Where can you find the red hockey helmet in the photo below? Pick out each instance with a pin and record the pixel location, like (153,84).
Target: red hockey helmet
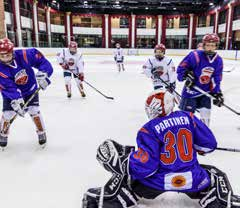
(159,103)
(211,38)
(160,47)
(72,44)
(73,47)
(6,46)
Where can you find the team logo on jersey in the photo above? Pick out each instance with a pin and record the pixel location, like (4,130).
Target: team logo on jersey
(160,70)
(21,77)
(178,181)
(71,62)
(206,75)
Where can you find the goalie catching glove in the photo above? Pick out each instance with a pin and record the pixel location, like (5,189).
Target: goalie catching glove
(114,157)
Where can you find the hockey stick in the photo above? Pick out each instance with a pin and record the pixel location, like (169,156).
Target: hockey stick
(108,97)
(25,105)
(210,96)
(228,149)
(230,70)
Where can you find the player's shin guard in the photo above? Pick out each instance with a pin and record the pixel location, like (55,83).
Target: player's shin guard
(80,87)
(4,126)
(205,114)
(68,86)
(220,193)
(38,121)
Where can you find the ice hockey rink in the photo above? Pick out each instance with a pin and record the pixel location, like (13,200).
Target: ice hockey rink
(57,176)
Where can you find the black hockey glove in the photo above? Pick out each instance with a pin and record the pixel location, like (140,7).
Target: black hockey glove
(218,99)
(189,77)
(114,157)
(171,87)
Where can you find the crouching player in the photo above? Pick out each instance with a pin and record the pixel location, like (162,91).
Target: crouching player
(166,160)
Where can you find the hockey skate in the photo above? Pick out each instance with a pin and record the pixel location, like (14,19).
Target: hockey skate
(42,139)
(82,93)
(69,94)
(3,141)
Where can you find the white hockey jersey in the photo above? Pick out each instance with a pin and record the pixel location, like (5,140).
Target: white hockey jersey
(118,54)
(75,62)
(166,68)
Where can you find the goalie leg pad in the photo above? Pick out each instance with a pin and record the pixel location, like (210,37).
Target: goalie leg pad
(220,193)
(115,194)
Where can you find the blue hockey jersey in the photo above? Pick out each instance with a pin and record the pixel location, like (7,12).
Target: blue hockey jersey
(207,72)
(166,158)
(18,79)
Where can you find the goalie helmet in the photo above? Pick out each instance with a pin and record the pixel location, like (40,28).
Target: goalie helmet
(159,103)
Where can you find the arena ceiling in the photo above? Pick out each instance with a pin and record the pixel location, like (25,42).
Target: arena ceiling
(147,7)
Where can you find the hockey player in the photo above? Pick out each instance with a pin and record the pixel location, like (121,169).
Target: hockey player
(202,68)
(118,57)
(70,59)
(166,160)
(18,82)
(159,67)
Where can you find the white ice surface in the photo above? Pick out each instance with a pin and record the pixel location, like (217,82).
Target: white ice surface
(57,176)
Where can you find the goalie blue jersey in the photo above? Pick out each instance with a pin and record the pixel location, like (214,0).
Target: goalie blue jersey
(18,79)
(207,72)
(166,158)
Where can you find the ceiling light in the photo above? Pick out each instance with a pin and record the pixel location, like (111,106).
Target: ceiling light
(174,8)
(85,2)
(146,8)
(117,2)
(211,4)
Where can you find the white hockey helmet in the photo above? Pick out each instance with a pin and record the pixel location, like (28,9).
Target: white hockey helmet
(159,103)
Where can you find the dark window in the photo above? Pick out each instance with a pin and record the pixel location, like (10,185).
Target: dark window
(236,40)
(58,40)
(202,21)
(8,6)
(79,21)
(27,38)
(184,22)
(236,13)
(122,39)
(124,22)
(146,41)
(86,41)
(141,22)
(222,37)
(26,9)
(212,20)
(222,17)
(177,41)
(170,23)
